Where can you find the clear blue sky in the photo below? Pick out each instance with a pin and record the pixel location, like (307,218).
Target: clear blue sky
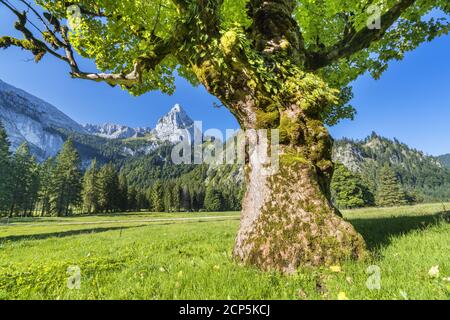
(411,102)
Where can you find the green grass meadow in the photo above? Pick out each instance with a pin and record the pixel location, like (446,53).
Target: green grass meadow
(129,256)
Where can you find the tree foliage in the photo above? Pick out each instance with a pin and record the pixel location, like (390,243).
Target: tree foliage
(213,200)
(390,192)
(91,189)
(24,183)
(157,197)
(348,189)
(67,179)
(141,45)
(5,170)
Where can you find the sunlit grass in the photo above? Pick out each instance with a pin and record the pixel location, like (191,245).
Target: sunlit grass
(192,260)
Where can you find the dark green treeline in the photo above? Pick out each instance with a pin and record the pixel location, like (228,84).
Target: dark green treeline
(59,187)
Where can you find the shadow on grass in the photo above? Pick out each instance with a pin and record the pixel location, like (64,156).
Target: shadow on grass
(378,231)
(62,234)
(6,220)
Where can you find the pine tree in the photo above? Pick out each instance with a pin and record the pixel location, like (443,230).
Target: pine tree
(390,192)
(348,190)
(91,189)
(67,179)
(5,172)
(213,200)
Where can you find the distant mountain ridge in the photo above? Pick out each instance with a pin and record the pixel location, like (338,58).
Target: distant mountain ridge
(415,170)
(357,154)
(422,176)
(169,128)
(28,118)
(116,131)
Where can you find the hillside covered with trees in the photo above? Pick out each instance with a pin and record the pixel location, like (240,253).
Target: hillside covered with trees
(372,172)
(61,186)
(422,177)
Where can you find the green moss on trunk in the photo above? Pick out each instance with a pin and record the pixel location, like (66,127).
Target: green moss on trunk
(297,225)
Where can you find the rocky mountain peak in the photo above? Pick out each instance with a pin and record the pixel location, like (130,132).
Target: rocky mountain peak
(170,128)
(176,118)
(174,125)
(349,154)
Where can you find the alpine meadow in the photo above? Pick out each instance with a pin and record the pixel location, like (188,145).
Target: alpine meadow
(119,212)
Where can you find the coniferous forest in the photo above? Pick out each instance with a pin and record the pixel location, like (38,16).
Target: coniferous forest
(60,187)
(63,186)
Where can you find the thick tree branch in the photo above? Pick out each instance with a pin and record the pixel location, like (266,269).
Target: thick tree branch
(30,43)
(355,41)
(274,28)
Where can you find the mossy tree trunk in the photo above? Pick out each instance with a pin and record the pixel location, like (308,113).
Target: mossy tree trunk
(288,219)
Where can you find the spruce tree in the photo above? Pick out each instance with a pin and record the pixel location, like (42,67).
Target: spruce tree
(141,201)
(5,171)
(390,192)
(157,196)
(148,196)
(176,197)
(167,196)
(91,189)
(348,190)
(67,179)
(109,189)
(213,200)
(47,186)
(132,199)
(123,192)
(186,198)
(32,196)
(24,179)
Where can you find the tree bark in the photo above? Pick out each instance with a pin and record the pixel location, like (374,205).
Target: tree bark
(288,219)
